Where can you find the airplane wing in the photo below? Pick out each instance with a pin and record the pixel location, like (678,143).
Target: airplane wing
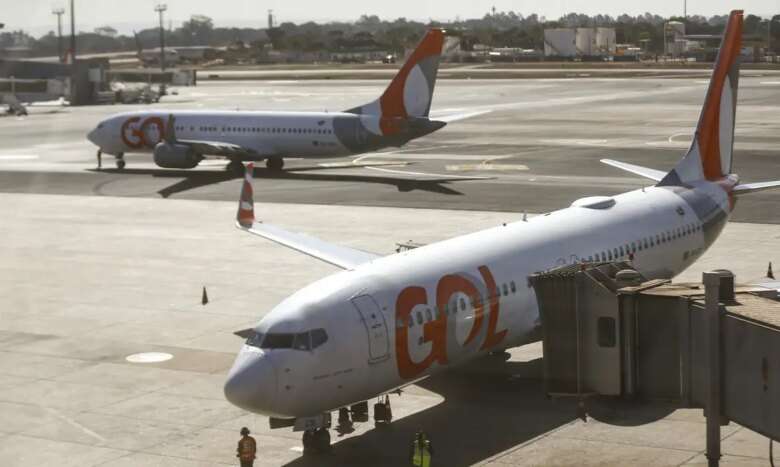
(337,255)
(460,116)
(209,148)
(217,148)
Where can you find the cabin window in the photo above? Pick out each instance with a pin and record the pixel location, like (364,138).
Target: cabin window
(462,304)
(513,287)
(428,315)
(419,318)
(506,290)
(621,251)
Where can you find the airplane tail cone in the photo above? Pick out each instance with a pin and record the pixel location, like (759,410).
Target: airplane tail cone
(205,298)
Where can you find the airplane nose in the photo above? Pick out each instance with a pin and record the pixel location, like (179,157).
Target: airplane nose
(94,136)
(251,383)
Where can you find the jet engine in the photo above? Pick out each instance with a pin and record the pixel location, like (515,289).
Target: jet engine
(175,156)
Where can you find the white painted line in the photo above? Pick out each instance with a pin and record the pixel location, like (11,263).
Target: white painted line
(425,174)
(75,424)
(577,142)
(18,157)
(450,157)
(496,167)
(296,449)
(770,82)
(149,357)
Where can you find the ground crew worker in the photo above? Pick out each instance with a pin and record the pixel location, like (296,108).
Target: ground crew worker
(247,448)
(100,159)
(422,450)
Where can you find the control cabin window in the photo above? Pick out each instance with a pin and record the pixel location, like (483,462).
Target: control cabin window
(308,340)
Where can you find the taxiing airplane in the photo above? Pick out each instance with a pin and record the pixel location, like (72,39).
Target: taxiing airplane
(385,322)
(400,115)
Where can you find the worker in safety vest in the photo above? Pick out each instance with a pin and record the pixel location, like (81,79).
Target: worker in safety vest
(422,450)
(247,448)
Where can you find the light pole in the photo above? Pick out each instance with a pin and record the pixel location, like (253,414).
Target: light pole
(160,9)
(72,31)
(59,12)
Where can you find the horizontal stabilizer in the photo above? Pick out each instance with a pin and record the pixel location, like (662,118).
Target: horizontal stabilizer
(646,172)
(744,188)
(461,116)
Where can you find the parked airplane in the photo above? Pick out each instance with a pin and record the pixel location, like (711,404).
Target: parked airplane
(400,115)
(388,321)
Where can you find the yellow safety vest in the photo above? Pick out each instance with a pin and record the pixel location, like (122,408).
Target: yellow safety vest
(422,455)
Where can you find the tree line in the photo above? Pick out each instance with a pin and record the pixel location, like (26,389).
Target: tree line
(496,29)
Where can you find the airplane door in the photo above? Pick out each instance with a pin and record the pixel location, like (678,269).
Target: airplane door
(376,328)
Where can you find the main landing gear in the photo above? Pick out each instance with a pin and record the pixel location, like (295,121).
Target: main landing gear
(383,413)
(236,167)
(274,163)
(120,161)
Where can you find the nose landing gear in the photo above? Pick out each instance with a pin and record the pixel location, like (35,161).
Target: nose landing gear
(236,167)
(274,163)
(120,161)
(316,441)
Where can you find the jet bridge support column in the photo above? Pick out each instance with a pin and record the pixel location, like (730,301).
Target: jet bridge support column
(713,282)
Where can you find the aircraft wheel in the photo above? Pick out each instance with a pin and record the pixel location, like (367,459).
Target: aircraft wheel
(236,167)
(322,440)
(120,164)
(274,163)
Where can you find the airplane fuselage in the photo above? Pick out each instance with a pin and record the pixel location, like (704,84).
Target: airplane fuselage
(268,134)
(403,317)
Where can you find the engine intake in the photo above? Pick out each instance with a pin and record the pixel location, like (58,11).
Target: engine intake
(175,156)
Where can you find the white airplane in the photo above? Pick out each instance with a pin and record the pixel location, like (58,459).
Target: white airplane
(181,139)
(385,322)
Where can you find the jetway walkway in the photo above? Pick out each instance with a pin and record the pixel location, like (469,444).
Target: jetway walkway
(607,331)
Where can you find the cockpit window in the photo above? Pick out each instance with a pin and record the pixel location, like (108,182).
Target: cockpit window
(318,337)
(255,339)
(278,341)
(301,341)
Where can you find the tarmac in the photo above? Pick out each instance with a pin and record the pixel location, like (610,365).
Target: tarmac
(99,266)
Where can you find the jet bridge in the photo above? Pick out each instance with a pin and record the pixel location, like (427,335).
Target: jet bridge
(607,331)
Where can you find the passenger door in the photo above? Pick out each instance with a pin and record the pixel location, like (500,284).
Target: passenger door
(376,328)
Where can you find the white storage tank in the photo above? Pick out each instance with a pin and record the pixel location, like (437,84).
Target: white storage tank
(560,42)
(605,41)
(586,42)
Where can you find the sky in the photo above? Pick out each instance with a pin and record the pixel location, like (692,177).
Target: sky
(126,15)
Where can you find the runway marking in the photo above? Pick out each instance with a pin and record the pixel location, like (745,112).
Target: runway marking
(297,449)
(425,174)
(75,424)
(18,157)
(770,82)
(461,157)
(580,142)
(671,138)
(149,357)
(486,166)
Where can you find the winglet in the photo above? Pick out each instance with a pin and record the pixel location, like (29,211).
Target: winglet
(246,205)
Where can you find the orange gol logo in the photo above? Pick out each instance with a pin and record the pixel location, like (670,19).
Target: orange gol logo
(435,331)
(136,136)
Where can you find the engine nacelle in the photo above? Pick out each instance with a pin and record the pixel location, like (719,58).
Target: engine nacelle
(175,156)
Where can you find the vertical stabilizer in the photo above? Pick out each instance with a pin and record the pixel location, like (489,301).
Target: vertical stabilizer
(411,90)
(710,154)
